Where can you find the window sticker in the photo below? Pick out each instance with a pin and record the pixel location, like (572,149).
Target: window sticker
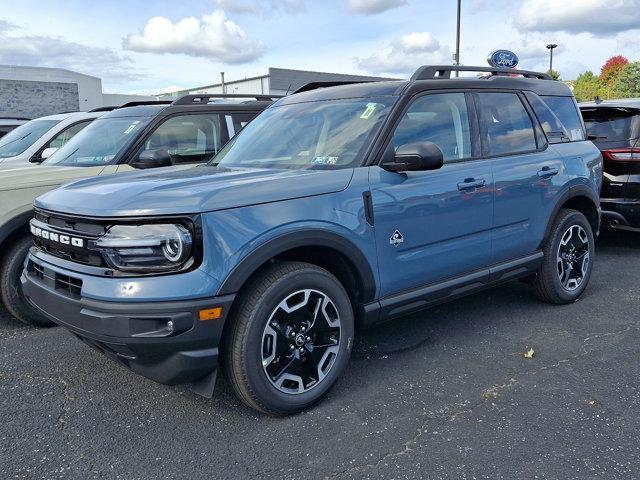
(371,108)
(131,127)
(576,134)
(325,160)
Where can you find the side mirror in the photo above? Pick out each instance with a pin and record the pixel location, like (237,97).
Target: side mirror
(153,159)
(414,157)
(46,153)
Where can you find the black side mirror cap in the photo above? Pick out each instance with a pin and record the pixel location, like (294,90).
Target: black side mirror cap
(153,159)
(414,157)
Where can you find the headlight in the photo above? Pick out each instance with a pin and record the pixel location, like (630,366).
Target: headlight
(145,248)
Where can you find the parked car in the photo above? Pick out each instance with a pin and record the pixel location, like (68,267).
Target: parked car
(336,207)
(9,123)
(38,139)
(138,135)
(614,126)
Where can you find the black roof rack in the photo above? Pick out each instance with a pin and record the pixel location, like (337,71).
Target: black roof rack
(315,85)
(103,109)
(15,118)
(203,99)
(431,72)
(145,102)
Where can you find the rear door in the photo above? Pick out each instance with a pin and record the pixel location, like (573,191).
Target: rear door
(433,225)
(527,174)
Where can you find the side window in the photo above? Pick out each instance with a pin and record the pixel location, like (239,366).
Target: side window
(551,124)
(188,138)
(441,119)
(508,126)
(237,121)
(566,110)
(67,134)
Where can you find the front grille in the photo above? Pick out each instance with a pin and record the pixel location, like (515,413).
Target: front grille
(64,284)
(77,228)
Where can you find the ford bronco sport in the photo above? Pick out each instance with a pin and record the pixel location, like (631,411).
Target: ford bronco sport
(335,207)
(138,135)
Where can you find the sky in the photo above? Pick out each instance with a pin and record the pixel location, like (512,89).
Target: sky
(154,46)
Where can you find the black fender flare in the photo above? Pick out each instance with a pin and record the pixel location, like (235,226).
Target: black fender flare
(14,224)
(305,238)
(572,192)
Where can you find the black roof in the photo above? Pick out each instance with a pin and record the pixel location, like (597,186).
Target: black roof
(438,77)
(633,103)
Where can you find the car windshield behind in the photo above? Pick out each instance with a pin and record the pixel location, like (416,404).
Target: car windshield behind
(99,143)
(17,141)
(315,135)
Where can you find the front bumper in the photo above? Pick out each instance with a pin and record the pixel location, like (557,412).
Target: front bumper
(137,335)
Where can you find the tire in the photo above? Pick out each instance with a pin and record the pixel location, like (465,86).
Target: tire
(10,288)
(257,343)
(554,281)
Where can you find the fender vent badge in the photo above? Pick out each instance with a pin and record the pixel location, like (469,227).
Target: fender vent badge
(396,239)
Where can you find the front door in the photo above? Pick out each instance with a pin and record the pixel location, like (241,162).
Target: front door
(433,225)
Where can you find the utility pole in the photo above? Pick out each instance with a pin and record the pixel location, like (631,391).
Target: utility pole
(224,87)
(551,46)
(457,59)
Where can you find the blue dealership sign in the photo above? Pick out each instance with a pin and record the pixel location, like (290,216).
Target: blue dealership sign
(503,59)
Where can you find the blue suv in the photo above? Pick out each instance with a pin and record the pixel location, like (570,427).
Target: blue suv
(335,208)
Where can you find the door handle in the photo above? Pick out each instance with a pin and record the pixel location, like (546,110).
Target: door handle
(471,184)
(547,172)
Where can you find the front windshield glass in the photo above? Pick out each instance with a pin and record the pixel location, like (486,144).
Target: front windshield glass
(18,140)
(99,143)
(320,135)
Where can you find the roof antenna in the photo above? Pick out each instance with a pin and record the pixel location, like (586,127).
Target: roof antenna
(598,100)
(288,90)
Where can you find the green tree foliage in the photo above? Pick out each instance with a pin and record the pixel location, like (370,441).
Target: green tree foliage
(627,85)
(554,74)
(587,87)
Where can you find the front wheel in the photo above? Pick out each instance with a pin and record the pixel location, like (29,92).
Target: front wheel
(568,259)
(290,338)
(10,288)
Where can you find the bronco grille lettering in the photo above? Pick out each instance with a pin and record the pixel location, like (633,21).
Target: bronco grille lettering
(57,237)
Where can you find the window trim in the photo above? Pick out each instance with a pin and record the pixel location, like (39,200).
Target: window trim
(384,152)
(538,133)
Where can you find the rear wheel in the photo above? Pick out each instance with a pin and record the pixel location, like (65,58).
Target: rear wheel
(10,286)
(568,259)
(290,338)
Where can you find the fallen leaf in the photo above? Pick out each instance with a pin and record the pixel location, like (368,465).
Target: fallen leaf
(591,402)
(529,353)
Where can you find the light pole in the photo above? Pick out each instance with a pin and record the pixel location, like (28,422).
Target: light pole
(458,36)
(551,46)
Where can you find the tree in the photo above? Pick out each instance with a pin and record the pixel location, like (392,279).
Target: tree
(612,69)
(627,84)
(587,87)
(554,74)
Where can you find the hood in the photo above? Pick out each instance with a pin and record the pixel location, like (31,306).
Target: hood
(39,176)
(169,191)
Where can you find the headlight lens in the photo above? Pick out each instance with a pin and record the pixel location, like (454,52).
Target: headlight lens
(146,248)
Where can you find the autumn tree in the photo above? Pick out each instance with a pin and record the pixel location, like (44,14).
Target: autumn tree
(612,69)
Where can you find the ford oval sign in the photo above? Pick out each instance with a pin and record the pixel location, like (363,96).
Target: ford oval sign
(502,59)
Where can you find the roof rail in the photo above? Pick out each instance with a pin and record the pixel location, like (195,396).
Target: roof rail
(315,85)
(103,109)
(15,118)
(203,99)
(145,102)
(431,72)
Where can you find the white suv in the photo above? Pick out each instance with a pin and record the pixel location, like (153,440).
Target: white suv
(36,140)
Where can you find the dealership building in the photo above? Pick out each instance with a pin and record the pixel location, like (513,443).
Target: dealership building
(33,92)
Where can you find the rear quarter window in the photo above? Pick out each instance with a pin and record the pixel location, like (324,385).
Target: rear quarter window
(566,109)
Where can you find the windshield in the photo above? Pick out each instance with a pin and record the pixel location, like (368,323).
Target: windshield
(99,143)
(320,135)
(17,141)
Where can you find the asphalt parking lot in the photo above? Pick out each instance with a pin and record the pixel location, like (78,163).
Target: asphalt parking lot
(443,394)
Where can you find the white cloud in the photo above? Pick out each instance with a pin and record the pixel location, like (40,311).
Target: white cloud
(371,7)
(261,7)
(599,17)
(405,54)
(214,37)
(17,48)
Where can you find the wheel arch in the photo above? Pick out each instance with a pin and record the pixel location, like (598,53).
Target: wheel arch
(328,250)
(16,226)
(582,199)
